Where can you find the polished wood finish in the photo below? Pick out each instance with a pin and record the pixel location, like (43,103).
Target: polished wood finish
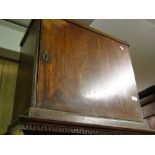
(147,100)
(88,73)
(76,74)
(74,21)
(74,118)
(26,81)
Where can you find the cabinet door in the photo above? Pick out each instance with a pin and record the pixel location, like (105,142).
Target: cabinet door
(86,73)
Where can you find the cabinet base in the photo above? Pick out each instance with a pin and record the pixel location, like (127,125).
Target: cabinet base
(30,125)
(41,121)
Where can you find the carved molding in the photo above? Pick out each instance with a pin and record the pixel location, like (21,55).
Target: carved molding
(33,126)
(69,130)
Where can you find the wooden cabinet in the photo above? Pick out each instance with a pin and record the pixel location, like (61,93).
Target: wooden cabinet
(76,74)
(147,100)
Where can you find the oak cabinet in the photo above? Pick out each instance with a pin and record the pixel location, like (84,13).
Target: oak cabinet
(73,73)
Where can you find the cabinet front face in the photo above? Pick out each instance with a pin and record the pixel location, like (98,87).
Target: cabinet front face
(86,73)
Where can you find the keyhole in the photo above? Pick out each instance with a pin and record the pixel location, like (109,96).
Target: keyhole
(45,56)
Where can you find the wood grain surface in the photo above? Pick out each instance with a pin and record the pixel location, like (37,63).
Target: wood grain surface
(8,76)
(86,73)
(25,88)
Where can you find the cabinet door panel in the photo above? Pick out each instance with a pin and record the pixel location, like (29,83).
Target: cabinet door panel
(86,73)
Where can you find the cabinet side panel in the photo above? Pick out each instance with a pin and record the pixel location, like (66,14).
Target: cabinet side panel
(87,73)
(25,88)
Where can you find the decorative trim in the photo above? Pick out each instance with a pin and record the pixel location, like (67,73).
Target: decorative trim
(75,118)
(31,125)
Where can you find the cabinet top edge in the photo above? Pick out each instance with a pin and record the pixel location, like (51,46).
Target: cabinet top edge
(97,31)
(79,24)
